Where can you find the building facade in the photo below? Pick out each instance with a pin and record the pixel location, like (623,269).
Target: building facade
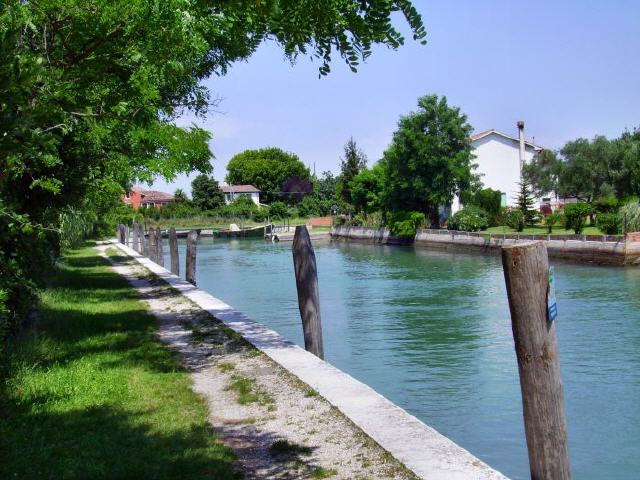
(137,198)
(498,157)
(233,192)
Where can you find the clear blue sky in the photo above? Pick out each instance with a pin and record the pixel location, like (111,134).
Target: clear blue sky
(568,69)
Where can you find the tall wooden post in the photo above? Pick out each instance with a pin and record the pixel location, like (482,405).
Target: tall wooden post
(121,236)
(526,272)
(190,264)
(173,251)
(153,245)
(304,264)
(159,249)
(145,241)
(136,237)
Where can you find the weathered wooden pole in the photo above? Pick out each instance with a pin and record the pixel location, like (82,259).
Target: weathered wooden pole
(127,235)
(304,264)
(153,245)
(145,241)
(173,251)
(159,249)
(121,237)
(136,237)
(526,273)
(190,264)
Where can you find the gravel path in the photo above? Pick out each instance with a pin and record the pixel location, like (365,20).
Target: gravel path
(278,427)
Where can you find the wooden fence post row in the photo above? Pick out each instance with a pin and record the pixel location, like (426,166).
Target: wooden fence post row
(173,251)
(526,273)
(304,264)
(190,264)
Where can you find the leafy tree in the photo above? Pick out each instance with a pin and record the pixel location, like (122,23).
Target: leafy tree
(542,172)
(575,216)
(406,224)
(180,197)
(325,186)
(585,172)
(353,162)
(268,169)
(608,223)
(367,189)
(206,193)
(526,203)
(430,158)
(553,219)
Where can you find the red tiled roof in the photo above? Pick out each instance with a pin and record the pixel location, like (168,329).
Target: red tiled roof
(155,196)
(239,189)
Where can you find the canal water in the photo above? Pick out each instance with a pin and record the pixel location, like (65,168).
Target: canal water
(431,331)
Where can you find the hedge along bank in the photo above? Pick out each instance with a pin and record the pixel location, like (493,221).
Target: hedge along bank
(609,250)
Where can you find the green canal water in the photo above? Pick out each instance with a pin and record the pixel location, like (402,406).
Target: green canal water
(431,331)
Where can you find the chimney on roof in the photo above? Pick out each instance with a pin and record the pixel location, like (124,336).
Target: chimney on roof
(521,138)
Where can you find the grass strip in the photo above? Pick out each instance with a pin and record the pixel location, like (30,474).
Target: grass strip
(90,393)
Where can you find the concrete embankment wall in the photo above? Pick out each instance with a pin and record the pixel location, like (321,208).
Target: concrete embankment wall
(595,249)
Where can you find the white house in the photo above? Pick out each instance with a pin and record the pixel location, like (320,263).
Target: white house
(232,192)
(499,158)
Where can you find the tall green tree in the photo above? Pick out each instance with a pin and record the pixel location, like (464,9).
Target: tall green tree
(367,189)
(206,193)
(542,172)
(526,203)
(429,159)
(268,169)
(351,164)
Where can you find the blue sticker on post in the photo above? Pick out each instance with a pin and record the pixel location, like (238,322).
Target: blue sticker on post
(552,307)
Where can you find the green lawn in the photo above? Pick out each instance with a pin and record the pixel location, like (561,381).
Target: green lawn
(90,394)
(542,230)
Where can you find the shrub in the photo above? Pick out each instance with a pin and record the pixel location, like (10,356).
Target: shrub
(312,205)
(575,216)
(606,205)
(363,219)
(406,224)
(278,210)
(469,219)
(552,220)
(608,223)
(629,218)
(515,219)
(242,207)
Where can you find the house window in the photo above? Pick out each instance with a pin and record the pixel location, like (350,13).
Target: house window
(127,196)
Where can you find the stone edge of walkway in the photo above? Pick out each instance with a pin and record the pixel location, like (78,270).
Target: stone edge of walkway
(424,451)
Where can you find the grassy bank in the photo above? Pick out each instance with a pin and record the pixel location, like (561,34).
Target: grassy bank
(91,394)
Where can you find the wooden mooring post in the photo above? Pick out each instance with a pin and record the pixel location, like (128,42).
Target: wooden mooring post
(304,264)
(190,263)
(153,245)
(145,241)
(121,234)
(526,273)
(173,251)
(136,237)
(159,249)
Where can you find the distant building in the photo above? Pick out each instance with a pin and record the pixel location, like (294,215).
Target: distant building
(138,198)
(232,192)
(498,158)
